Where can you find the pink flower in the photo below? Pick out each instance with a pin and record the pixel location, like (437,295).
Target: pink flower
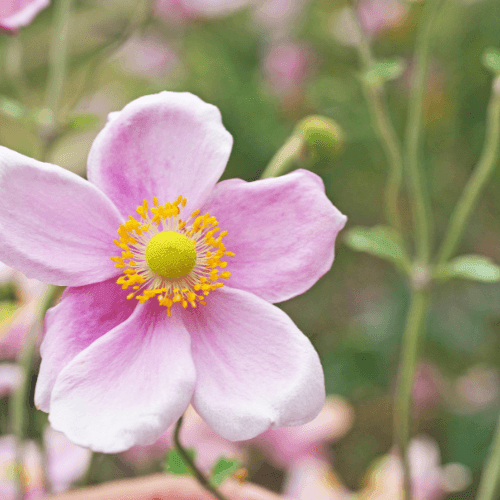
(18,320)
(17,13)
(188,10)
(288,445)
(11,377)
(120,364)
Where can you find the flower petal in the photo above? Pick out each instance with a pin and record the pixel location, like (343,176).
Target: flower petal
(254,366)
(163,145)
(82,316)
(128,386)
(282,231)
(17,13)
(56,227)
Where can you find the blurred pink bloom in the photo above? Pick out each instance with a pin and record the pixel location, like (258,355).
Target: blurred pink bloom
(427,388)
(66,462)
(17,324)
(430,480)
(181,11)
(285,446)
(375,16)
(118,372)
(279,17)
(148,57)
(11,377)
(31,469)
(478,388)
(194,433)
(17,13)
(287,65)
(311,477)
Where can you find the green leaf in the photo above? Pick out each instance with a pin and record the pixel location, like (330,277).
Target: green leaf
(471,267)
(491,60)
(390,69)
(224,468)
(13,109)
(175,464)
(84,122)
(382,241)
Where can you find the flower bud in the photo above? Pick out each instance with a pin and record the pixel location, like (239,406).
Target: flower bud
(324,138)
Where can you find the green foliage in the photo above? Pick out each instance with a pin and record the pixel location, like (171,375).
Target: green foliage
(385,71)
(381,241)
(223,469)
(84,122)
(174,463)
(470,267)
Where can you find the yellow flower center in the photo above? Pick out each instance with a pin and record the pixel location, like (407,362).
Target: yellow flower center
(169,258)
(171,254)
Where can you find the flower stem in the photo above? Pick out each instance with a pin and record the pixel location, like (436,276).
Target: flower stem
(482,172)
(415,323)
(285,158)
(20,396)
(375,97)
(490,478)
(420,202)
(190,463)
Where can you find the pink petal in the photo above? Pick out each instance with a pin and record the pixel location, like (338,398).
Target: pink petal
(128,386)
(163,145)
(255,368)
(56,227)
(83,315)
(66,462)
(17,13)
(11,377)
(282,231)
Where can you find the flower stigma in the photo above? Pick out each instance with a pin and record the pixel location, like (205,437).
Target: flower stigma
(174,260)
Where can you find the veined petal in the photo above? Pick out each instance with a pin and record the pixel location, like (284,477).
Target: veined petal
(281,230)
(255,369)
(56,227)
(162,145)
(82,316)
(128,386)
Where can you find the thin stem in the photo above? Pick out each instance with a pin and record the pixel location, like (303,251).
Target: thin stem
(420,201)
(58,55)
(190,463)
(490,478)
(20,396)
(482,172)
(375,97)
(285,158)
(415,323)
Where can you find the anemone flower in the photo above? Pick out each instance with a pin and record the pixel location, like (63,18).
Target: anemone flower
(147,324)
(17,13)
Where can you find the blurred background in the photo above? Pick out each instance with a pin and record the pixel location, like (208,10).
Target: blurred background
(267,64)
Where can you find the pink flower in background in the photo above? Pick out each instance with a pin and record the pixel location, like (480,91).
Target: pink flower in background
(146,329)
(428,387)
(430,480)
(279,17)
(375,16)
(31,469)
(15,14)
(18,319)
(288,445)
(11,377)
(287,65)
(181,11)
(66,463)
(312,477)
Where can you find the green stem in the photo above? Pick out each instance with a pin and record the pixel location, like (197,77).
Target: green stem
(20,396)
(482,172)
(58,55)
(490,478)
(190,463)
(415,324)
(420,201)
(285,158)
(379,114)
